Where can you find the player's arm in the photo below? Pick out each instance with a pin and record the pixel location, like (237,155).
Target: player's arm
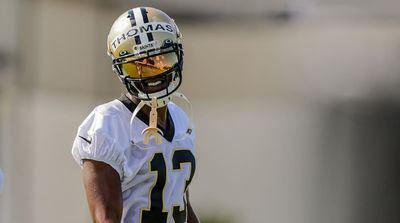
(192,218)
(103,191)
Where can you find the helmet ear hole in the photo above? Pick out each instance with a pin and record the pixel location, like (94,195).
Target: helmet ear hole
(123,53)
(168,43)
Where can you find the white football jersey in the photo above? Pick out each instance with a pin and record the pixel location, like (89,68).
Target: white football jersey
(154,177)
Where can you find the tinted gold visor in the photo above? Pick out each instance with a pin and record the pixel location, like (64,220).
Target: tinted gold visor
(149,66)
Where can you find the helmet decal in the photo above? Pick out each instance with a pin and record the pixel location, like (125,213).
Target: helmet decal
(137,32)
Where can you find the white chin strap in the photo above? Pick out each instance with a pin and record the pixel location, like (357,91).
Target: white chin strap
(155,103)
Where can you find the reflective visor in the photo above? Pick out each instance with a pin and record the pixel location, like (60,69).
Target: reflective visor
(149,66)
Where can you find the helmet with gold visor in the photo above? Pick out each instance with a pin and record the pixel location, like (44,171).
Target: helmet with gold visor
(146,50)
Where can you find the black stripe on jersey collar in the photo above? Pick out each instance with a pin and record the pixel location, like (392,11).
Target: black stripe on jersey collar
(169,132)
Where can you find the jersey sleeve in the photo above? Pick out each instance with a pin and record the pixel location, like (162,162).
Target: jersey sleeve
(94,142)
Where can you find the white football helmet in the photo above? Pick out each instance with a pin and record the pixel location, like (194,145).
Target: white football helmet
(146,50)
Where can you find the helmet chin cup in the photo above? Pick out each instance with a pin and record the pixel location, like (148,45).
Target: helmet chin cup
(159,102)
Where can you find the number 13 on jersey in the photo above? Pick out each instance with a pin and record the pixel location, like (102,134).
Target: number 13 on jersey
(156,212)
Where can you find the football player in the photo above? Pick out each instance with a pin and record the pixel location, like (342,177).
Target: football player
(137,152)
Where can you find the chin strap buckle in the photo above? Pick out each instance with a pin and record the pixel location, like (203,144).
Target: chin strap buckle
(152,130)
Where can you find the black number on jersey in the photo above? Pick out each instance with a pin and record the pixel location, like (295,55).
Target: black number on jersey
(180,157)
(156,212)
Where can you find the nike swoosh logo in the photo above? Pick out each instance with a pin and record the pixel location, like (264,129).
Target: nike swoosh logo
(87,140)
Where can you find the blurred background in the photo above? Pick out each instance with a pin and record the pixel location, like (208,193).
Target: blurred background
(297,106)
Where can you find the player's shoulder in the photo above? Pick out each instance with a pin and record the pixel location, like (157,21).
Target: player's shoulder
(111,108)
(173,108)
(104,116)
(178,114)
